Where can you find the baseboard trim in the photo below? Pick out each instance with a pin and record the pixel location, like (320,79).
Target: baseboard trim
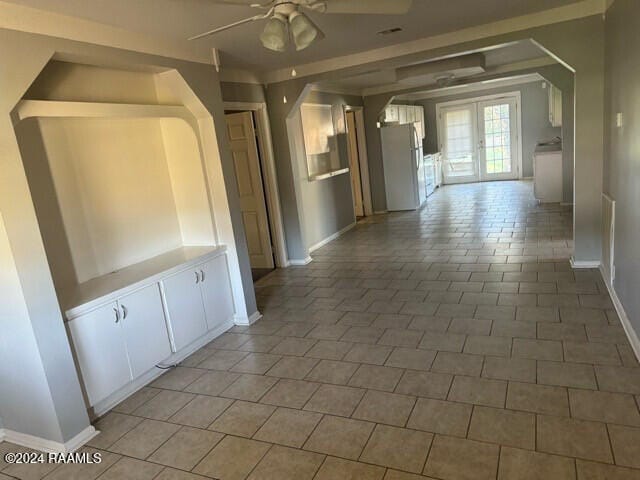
(624,319)
(115,398)
(381,212)
(330,238)
(300,263)
(44,445)
(250,320)
(578,264)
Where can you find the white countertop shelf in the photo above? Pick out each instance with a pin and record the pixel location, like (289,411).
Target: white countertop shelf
(107,288)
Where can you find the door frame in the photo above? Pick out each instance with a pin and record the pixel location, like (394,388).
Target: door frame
(507,95)
(363,159)
(268,167)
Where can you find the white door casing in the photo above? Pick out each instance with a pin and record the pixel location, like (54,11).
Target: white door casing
(244,150)
(354,164)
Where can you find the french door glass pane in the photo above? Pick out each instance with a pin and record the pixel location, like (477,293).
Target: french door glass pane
(497,139)
(459,143)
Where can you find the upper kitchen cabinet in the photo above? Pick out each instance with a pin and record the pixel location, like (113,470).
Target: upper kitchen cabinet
(402,114)
(555,106)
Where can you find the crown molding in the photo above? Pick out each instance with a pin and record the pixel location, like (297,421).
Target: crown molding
(585,8)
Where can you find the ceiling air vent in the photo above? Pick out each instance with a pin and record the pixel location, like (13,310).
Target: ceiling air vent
(389,31)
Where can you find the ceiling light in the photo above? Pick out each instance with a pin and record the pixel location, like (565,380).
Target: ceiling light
(275,35)
(304,32)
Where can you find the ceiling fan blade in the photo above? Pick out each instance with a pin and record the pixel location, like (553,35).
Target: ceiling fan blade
(380,7)
(231,25)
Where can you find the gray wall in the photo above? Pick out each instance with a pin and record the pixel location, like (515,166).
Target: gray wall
(327,205)
(242,92)
(622,147)
(535,119)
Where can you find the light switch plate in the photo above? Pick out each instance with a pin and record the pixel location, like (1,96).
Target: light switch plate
(619,119)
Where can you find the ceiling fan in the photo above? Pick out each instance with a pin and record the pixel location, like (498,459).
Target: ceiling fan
(286,18)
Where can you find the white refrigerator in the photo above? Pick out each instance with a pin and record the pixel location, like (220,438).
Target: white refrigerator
(404,169)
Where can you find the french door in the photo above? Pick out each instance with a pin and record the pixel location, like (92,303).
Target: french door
(479,140)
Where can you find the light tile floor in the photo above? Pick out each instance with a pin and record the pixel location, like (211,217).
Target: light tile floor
(451,343)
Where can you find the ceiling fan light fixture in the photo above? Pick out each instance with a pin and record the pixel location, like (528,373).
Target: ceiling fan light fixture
(304,32)
(275,35)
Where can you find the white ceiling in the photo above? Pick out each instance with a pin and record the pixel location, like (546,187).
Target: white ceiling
(241,48)
(494,58)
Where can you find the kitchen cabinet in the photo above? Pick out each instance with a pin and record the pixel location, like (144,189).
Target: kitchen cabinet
(402,114)
(120,341)
(101,351)
(185,310)
(547,173)
(198,300)
(216,292)
(555,106)
(145,329)
(158,311)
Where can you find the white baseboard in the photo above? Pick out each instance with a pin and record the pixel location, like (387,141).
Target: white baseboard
(624,319)
(300,262)
(330,238)
(44,445)
(250,320)
(380,212)
(115,398)
(578,264)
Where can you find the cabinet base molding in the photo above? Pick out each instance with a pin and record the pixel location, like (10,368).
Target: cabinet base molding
(108,403)
(44,445)
(250,320)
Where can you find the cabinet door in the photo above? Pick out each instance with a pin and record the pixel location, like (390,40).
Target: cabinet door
(145,329)
(184,308)
(420,118)
(402,114)
(391,113)
(101,352)
(216,292)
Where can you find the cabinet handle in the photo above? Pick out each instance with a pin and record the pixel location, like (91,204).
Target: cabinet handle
(125,312)
(117,312)
(201,276)
(197,277)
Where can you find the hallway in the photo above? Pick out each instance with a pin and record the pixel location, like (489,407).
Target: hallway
(455,342)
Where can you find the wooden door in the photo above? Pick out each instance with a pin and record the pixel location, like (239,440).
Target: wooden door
(145,329)
(184,307)
(246,161)
(216,292)
(354,164)
(101,352)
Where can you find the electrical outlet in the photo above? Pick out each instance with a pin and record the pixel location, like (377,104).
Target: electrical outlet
(619,120)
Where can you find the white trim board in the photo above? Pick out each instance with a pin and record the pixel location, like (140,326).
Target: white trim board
(250,320)
(267,160)
(510,95)
(580,264)
(49,446)
(330,238)
(624,319)
(300,262)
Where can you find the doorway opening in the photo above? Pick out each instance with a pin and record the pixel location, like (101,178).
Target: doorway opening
(480,139)
(249,166)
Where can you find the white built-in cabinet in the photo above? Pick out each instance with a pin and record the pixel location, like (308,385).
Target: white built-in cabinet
(197,300)
(555,106)
(402,114)
(119,341)
(124,324)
